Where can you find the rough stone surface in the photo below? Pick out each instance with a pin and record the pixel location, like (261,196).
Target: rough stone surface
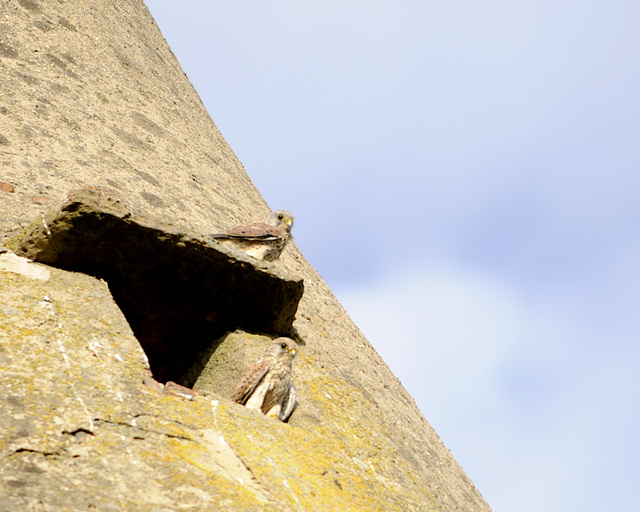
(93,96)
(93,99)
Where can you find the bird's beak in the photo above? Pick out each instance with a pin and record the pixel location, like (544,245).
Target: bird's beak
(292,352)
(289,222)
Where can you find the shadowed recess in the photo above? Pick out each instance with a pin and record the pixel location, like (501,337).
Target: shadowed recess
(179,293)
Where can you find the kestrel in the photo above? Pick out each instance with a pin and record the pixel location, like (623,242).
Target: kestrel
(267,384)
(263,240)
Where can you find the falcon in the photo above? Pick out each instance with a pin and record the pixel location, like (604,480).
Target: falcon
(267,385)
(262,240)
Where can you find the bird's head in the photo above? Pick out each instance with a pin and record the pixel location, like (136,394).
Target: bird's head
(282,346)
(281,219)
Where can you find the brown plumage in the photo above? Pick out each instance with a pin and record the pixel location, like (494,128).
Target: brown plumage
(263,240)
(267,385)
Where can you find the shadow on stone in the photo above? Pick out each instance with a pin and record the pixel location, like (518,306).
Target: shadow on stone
(179,293)
(219,367)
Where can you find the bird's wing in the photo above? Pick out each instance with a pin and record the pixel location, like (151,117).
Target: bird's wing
(250,381)
(256,231)
(289,403)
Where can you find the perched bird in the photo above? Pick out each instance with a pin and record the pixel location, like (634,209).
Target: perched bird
(263,240)
(267,384)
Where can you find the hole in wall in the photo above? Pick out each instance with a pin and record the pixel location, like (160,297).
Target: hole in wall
(179,294)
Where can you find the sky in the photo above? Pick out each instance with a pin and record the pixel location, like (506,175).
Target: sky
(466,178)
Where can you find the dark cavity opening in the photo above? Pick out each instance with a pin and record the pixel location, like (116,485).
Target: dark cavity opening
(179,293)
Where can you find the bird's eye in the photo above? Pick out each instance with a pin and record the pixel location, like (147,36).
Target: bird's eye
(283,345)
(280,216)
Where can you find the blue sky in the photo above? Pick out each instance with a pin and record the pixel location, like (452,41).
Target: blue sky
(466,178)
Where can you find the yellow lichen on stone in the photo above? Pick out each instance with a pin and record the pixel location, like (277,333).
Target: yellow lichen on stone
(332,468)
